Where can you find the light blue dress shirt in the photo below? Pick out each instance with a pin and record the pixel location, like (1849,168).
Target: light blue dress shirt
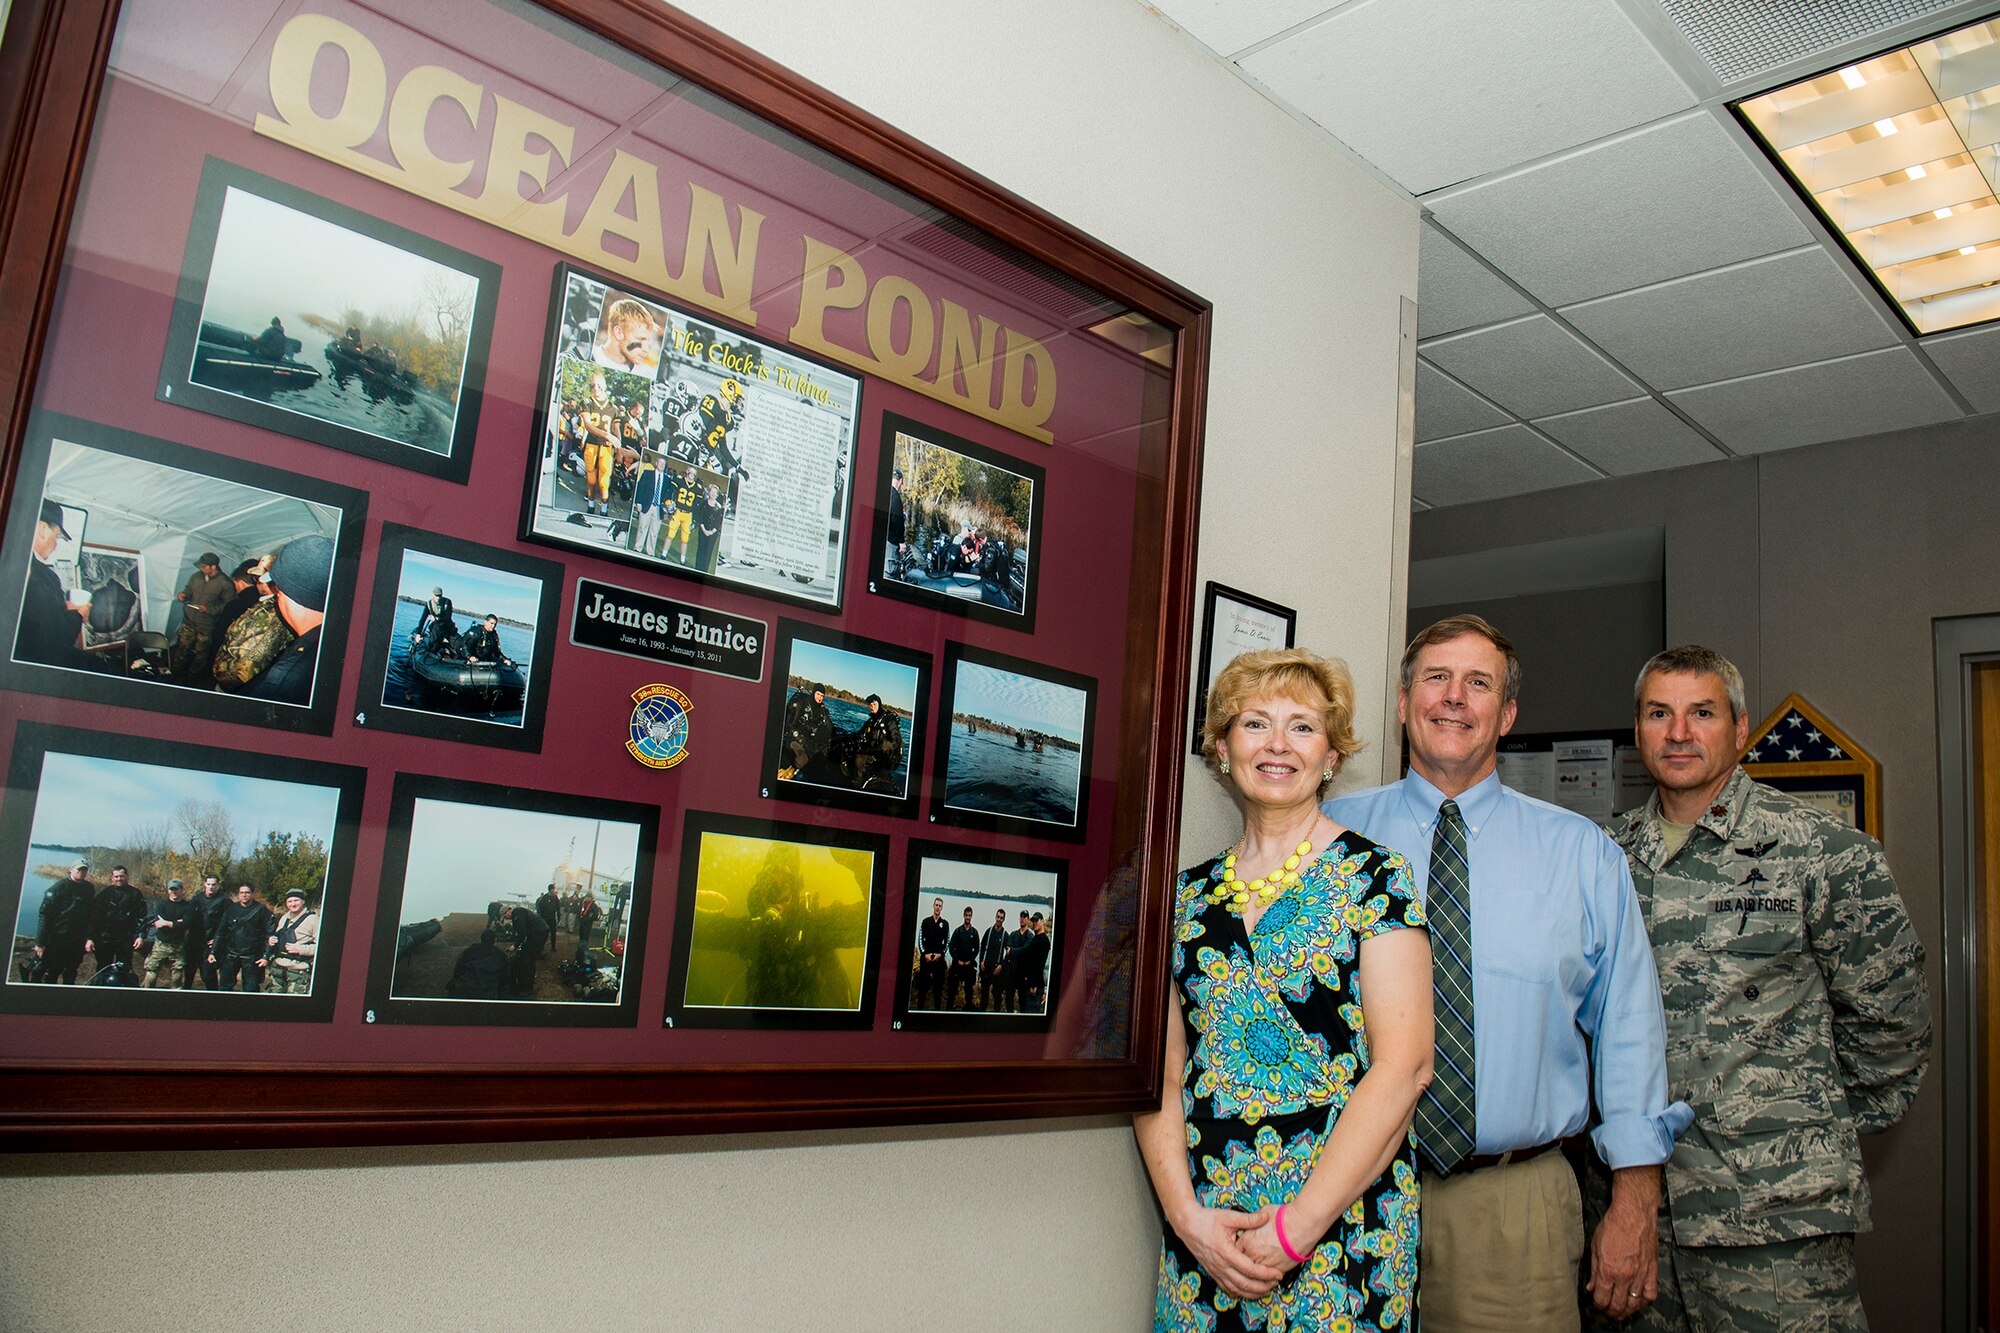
(1559,955)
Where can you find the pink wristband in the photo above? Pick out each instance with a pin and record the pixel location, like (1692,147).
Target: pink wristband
(1278,1225)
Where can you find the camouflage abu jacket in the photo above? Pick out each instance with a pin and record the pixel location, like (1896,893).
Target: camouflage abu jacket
(1797,1012)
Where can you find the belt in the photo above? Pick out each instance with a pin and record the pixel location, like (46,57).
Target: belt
(1480,1161)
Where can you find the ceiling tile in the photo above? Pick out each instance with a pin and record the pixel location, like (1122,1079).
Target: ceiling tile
(1512,460)
(1456,291)
(1727,323)
(1670,200)
(1439,91)
(1532,367)
(1623,438)
(1971,361)
(1227,26)
(1836,400)
(1446,407)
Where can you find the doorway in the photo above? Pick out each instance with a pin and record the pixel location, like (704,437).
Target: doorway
(1968,683)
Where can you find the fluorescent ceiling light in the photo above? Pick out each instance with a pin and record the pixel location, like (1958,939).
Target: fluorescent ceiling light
(1900,154)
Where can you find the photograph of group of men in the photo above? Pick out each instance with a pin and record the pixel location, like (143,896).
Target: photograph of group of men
(147,876)
(984,943)
(237,578)
(511,901)
(686,447)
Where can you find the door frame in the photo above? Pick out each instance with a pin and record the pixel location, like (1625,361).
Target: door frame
(1961,644)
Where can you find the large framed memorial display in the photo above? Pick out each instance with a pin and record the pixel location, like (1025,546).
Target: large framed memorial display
(536,517)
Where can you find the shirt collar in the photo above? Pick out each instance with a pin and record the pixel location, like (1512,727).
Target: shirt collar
(1476,803)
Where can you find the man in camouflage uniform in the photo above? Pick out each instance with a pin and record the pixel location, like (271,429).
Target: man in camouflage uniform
(254,639)
(293,943)
(201,601)
(1797,1015)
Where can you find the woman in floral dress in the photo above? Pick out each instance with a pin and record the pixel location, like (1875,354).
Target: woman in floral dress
(1281,1149)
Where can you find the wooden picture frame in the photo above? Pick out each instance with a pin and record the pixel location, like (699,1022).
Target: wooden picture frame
(106,151)
(1234,622)
(1797,749)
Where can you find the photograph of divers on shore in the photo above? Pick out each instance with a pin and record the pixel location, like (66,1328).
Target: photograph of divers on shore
(958,526)
(980,949)
(842,728)
(502,905)
(458,641)
(307,317)
(157,879)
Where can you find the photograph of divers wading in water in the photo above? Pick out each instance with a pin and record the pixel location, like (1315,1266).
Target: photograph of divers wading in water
(1013,745)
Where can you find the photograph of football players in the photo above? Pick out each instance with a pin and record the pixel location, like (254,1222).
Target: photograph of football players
(651,408)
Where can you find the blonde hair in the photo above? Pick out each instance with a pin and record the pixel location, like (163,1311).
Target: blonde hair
(1283,673)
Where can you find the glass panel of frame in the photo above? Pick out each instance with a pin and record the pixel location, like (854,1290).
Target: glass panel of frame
(538,592)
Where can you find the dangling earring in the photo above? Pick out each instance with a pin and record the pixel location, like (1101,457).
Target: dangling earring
(1225,768)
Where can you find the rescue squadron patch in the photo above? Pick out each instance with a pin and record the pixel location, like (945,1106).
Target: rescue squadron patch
(657,735)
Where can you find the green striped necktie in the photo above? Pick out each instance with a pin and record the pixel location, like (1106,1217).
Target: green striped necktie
(1444,1116)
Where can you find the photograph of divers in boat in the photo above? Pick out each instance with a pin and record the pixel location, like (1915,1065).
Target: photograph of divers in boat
(958,526)
(502,905)
(776,924)
(227,586)
(673,442)
(315,320)
(458,642)
(1013,745)
(158,879)
(980,947)
(844,720)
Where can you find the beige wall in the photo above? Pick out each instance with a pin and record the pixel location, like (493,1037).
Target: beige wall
(1106,116)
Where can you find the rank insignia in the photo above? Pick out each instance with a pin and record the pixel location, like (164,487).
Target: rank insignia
(657,735)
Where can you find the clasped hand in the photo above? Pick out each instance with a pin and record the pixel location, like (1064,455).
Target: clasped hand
(1223,1243)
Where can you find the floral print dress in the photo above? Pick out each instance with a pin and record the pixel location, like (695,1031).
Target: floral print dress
(1276,1042)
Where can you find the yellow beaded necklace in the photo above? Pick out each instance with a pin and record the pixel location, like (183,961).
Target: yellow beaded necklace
(1266,887)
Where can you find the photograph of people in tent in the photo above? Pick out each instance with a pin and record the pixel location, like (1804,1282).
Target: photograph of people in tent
(201,585)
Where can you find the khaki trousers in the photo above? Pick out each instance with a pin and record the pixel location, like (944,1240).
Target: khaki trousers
(1501,1248)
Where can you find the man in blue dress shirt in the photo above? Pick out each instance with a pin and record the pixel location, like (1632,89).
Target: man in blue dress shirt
(1564,1002)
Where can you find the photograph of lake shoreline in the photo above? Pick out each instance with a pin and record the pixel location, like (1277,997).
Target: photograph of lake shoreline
(146,813)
